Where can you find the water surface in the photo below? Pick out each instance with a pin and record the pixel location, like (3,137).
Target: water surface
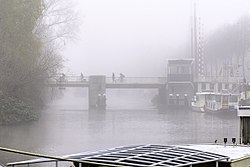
(66,126)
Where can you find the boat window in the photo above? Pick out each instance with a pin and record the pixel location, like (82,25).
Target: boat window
(210,97)
(218,98)
(211,86)
(224,98)
(226,86)
(173,70)
(203,86)
(219,86)
(248,94)
(233,98)
(185,70)
(234,86)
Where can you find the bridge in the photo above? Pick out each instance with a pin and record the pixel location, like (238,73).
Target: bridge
(97,85)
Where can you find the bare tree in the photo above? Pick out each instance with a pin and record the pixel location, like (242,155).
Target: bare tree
(32,34)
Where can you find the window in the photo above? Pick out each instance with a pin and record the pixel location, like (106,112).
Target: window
(219,87)
(211,86)
(218,98)
(226,86)
(203,87)
(173,70)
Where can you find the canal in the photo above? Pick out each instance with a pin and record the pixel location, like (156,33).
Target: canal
(66,126)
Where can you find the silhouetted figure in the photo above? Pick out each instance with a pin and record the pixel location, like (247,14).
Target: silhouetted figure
(62,78)
(82,77)
(113,77)
(215,141)
(122,76)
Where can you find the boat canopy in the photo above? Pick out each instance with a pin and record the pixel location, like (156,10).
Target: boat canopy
(140,156)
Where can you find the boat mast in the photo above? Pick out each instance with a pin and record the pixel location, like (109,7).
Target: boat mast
(194,42)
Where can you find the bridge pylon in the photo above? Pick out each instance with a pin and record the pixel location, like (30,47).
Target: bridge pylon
(97,92)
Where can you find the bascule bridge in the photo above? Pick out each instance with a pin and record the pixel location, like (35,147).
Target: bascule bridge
(97,85)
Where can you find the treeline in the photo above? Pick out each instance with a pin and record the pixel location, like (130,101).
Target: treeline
(228,41)
(30,36)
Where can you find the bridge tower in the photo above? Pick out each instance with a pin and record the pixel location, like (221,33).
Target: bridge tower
(97,87)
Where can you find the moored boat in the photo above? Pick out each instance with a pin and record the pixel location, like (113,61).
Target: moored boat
(243,108)
(221,102)
(211,102)
(199,101)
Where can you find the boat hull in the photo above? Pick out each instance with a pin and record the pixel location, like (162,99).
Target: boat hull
(197,108)
(243,111)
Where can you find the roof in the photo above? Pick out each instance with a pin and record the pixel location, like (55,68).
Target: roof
(143,155)
(216,93)
(205,93)
(231,151)
(180,61)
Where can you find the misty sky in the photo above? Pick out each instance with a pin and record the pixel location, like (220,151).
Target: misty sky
(136,37)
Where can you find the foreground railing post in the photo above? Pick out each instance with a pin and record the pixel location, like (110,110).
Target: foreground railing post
(56,163)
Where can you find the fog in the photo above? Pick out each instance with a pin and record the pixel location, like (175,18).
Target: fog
(77,99)
(138,37)
(133,37)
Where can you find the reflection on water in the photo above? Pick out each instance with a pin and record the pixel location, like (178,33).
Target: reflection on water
(66,126)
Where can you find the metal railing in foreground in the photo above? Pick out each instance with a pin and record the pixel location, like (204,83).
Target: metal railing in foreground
(49,158)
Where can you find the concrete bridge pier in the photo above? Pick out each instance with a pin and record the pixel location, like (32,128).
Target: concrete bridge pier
(97,92)
(162,95)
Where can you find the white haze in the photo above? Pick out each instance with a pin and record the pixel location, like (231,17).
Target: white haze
(136,37)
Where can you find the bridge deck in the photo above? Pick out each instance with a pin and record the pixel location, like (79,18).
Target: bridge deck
(134,85)
(127,83)
(111,85)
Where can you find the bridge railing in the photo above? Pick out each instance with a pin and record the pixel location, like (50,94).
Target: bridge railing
(73,79)
(136,80)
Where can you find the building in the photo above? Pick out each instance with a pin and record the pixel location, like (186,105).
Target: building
(180,87)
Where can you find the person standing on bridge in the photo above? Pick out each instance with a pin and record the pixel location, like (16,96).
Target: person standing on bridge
(113,77)
(82,77)
(62,78)
(122,76)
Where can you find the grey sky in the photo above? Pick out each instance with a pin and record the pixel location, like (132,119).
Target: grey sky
(136,37)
